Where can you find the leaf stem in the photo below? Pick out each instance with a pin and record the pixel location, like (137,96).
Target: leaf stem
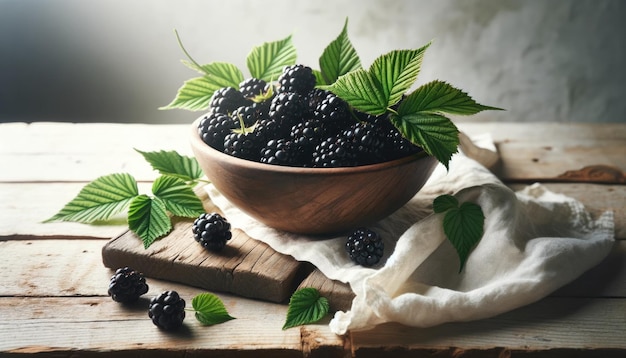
(180,44)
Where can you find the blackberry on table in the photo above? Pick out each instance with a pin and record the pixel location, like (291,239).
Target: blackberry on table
(296,78)
(252,87)
(212,231)
(365,247)
(127,285)
(167,310)
(227,99)
(214,127)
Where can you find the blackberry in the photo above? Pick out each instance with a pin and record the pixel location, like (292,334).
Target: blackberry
(365,247)
(167,310)
(283,152)
(287,109)
(243,145)
(127,285)
(214,127)
(368,142)
(227,99)
(211,231)
(252,87)
(296,78)
(396,146)
(252,113)
(315,97)
(266,130)
(307,134)
(332,109)
(335,151)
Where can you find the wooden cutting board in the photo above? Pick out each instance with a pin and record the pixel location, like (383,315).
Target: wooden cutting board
(245,267)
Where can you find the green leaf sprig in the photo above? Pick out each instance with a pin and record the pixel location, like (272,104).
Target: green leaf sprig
(148,215)
(306,305)
(463,224)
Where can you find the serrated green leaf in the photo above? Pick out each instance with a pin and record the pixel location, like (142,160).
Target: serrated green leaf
(210,309)
(436,134)
(195,94)
(444,202)
(99,199)
(440,97)
(267,61)
(147,217)
(464,228)
(338,58)
(178,196)
(397,71)
(306,305)
(173,164)
(361,91)
(223,74)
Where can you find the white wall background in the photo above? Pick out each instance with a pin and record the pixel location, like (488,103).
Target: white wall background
(118,61)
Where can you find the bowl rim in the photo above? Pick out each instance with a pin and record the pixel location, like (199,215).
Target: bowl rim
(199,144)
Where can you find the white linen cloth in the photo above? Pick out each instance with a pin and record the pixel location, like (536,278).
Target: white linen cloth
(534,242)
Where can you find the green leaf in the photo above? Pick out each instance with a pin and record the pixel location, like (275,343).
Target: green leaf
(438,97)
(173,164)
(99,199)
(223,74)
(397,71)
(435,133)
(306,306)
(267,61)
(444,202)
(338,58)
(147,217)
(195,94)
(178,197)
(464,228)
(361,90)
(210,309)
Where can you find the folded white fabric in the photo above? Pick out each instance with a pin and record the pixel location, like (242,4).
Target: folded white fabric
(534,242)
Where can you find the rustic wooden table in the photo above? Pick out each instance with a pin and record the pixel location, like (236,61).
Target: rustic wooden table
(53,299)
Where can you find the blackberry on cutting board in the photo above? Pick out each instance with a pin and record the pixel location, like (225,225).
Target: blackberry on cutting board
(127,285)
(167,310)
(212,231)
(365,247)
(296,78)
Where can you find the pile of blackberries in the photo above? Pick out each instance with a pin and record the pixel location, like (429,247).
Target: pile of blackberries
(293,123)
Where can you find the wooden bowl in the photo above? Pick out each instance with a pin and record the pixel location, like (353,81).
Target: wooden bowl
(314,201)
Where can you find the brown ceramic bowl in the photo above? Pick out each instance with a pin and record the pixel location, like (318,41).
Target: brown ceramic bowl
(313,200)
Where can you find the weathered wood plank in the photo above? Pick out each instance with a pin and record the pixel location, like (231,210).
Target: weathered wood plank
(79,154)
(551,325)
(100,325)
(246,267)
